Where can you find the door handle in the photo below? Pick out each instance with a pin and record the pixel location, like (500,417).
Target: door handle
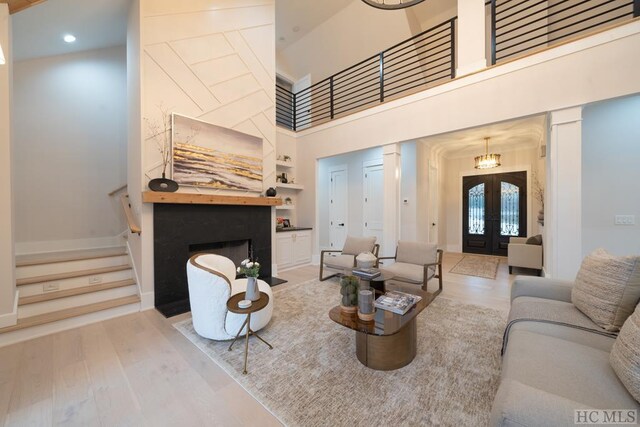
(433,224)
(341,224)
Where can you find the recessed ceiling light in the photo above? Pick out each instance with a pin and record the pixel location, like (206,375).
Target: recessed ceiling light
(69,38)
(296,29)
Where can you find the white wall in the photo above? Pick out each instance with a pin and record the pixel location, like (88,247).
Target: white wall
(7,270)
(611,175)
(353,34)
(206,60)
(69,122)
(354,162)
(409,213)
(562,77)
(455,168)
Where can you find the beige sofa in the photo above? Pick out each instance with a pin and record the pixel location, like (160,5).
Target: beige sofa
(520,254)
(550,369)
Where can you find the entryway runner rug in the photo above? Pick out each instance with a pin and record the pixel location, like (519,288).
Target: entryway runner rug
(313,378)
(479,266)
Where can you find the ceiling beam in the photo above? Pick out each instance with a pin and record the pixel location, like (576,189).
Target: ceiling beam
(16,6)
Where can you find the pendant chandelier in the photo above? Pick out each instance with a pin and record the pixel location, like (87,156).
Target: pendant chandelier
(392,4)
(487,161)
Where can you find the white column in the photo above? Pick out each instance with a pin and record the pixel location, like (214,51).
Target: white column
(391,213)
(563,204)
(8,315)
(471,37)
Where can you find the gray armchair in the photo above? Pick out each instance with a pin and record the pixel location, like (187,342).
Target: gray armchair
(340,261)
(416,264)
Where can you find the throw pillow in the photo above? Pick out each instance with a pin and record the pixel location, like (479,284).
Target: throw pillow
(535,240)
(607,288)
(625,355)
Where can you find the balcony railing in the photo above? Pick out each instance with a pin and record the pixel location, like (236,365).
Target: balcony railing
(519,27)
(422,61)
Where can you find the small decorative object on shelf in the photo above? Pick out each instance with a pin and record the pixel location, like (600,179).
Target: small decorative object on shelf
(279,223)
(287,201)
(271,192)
(251,269)
(286,158)
(282,178)
(366,260)
(160,135)
(366,309)
(349,291)
(286,223)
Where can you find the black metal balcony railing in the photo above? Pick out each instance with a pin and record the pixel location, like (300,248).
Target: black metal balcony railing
(520,26)
(421,61)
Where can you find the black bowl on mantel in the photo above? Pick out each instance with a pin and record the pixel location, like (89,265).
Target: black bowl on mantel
(163,184)
(271,192)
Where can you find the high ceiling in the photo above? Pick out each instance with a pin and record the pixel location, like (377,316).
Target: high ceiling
(505,136)
(295,18)
(38,31)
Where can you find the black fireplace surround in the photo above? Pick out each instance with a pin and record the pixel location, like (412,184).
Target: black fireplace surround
(179,227)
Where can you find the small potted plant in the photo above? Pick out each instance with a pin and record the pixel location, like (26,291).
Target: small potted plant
(349,290)
(251,269)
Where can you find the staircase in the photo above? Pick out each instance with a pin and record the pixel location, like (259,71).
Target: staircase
(63,290)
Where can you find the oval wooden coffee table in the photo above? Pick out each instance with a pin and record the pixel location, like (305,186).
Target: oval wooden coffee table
(232,306)
(389,341)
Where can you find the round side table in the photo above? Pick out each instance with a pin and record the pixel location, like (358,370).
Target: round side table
(232,306)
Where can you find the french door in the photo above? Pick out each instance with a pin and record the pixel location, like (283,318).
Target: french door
(494,208)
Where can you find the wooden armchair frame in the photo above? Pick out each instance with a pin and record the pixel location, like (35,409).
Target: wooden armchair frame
(376,249)
(438,274)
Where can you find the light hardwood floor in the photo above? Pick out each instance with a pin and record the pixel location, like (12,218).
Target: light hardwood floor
(138,370)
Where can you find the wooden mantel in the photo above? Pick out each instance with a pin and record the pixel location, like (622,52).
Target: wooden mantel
(208,199)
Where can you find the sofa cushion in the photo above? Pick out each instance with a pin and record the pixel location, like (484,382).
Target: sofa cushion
(568,369)
(357,245)
(410,273)
(535,240)
(607,288)
(339,262)
(416,253)
(625,355)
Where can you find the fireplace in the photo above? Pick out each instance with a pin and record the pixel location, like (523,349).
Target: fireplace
(181,230)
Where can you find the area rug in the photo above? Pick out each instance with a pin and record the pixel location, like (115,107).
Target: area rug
(479,266)
(313,378)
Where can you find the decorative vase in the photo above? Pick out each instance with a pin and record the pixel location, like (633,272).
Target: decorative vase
(252,293)
(349,290)
(163,184)
(271,192)
(366,308)
(366,260)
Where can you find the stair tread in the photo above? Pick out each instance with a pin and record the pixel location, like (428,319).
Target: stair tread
(71,274)
(67,313)
(66,256)
(32,299)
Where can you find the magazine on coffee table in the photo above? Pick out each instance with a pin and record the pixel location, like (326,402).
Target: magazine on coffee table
(397,302)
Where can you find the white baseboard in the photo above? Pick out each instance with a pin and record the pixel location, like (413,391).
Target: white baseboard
(274,270)
(471,68)
(10,319)
(23,248)
(147,301)
(454,248)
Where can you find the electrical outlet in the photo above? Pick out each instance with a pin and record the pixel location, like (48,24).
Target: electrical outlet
(50,287)
(625,220)
(93,280)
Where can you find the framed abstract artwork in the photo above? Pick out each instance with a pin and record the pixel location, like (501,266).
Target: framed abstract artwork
(210,156)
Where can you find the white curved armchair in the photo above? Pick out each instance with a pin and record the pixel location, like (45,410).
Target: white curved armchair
(212,282)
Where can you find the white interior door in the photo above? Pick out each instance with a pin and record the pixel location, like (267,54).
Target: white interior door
(338,208)
(373,203)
